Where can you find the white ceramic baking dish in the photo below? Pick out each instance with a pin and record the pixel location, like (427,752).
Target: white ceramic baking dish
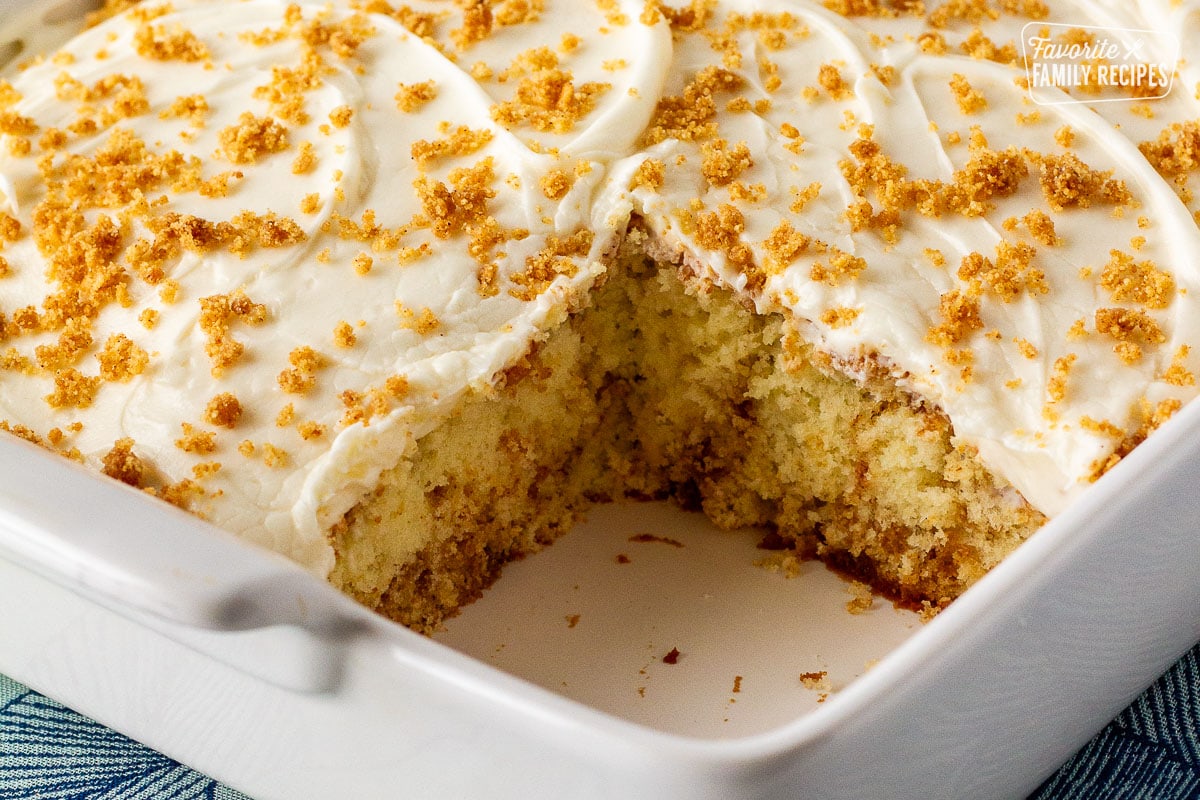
(554,685)
(245,667)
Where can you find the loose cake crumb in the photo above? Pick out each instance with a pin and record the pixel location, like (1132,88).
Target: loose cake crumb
(817,680)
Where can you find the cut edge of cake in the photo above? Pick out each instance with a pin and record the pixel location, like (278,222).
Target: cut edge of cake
(668,386)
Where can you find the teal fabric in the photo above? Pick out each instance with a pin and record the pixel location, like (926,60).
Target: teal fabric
(49,752)
(1150,752)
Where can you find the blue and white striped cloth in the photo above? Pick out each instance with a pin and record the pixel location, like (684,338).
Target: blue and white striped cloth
(1150,752)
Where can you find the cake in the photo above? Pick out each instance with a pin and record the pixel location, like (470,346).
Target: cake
(401,291)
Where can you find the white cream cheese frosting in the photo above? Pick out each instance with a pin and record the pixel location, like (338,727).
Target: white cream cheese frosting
(413,196)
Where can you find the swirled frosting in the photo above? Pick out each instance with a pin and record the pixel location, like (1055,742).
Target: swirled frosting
(252,251)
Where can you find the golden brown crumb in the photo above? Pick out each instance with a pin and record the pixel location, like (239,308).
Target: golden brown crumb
(840,317)
(192,107)
(721,231)
(341,116)
(650,174)
(413,96)
(123,464)
(1041,227)
(549,101)
(838,268)
(960,318)
(461,141)
(817,680)
(302,375)
(691,116)
(1010,275)
(832,82)
(1067,182)
(1131,281)
(72,389)
(1056,387)
(448,211)
(783,246)
(217,313)
(121,359)
(305,161)
(970,100)
(1177,374)
(196,441)
(555,184)
(1176,152)
(286,416)
(273,456)
(344,336)
(1130,328)
(722,163)
(554,259)
(423,322)
(162,44)
(223,410)
(253,137)
(863,598)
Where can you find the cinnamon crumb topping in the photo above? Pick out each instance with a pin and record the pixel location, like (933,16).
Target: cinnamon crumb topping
(252,138)
(121,359)
(840,317)
(830,79)
(412,97)
(722,163)
(1142,282)
(1068,182)
(306,159)
(970,100)
(302,375)
(462,141)
(217,314)
(344,336)
(196,441)
(223,410)
(783,246)
(554,259)
(691,116)
(651,174)
(549,101)
(286,416)
(73,389)
(1009,276)
(1056,386)
(174,44)
(960,318)
(423,322)
(1177,374)
(555,184)
(341,116)
(448,211)
(124,465)
(1130,328)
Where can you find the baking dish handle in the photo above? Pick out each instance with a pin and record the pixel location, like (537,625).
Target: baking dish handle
(58,519)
